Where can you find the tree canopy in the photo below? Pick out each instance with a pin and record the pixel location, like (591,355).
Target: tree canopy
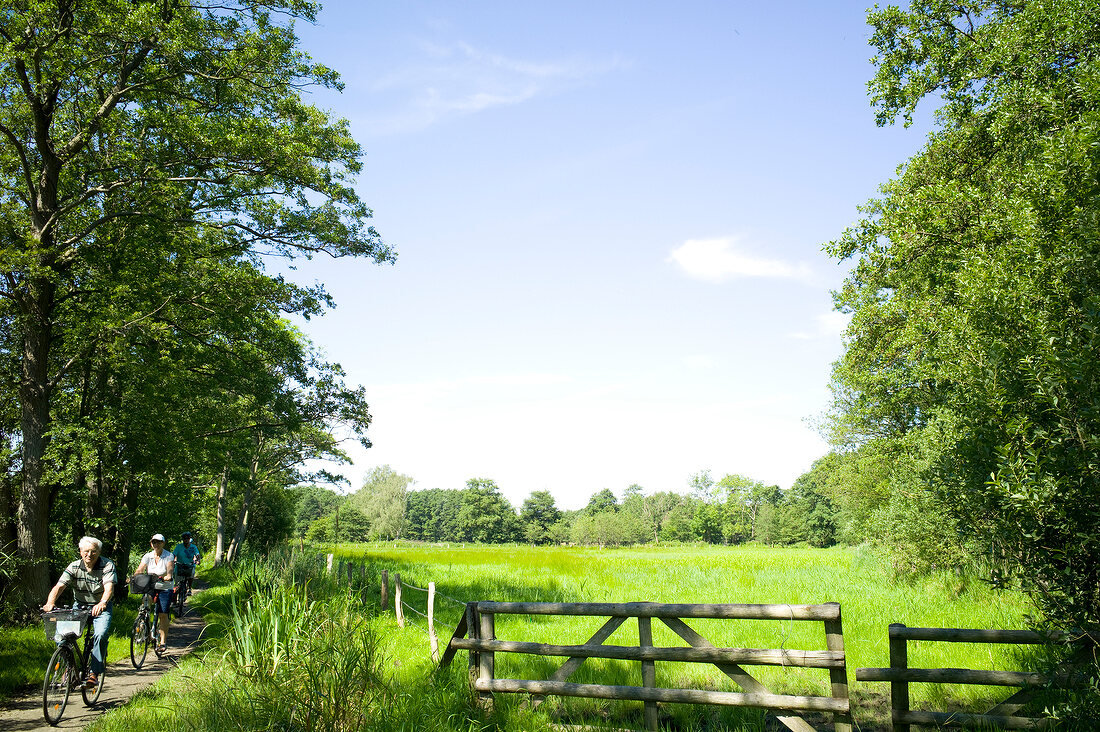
(151,154)
(970,358)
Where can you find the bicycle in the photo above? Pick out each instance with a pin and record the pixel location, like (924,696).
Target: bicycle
(68,666)
(184,574)
(144,631)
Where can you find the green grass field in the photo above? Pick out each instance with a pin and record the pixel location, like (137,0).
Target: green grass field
(401,688)
(870,600)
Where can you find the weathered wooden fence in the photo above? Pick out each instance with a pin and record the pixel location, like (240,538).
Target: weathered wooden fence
(477,634)
(900,675)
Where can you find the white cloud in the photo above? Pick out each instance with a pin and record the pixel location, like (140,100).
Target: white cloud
(718,260)
(457,79)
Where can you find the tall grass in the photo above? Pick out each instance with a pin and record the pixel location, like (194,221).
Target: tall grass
(307,650)
(871,598)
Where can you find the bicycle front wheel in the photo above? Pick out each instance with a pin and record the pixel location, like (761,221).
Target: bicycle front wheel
(61,674)
(91,695)
(139,641)
(181,595)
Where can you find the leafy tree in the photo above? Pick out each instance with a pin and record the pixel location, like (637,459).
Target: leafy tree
(538,516)
(677,523)
(485,516)
(312,503)
(975,317)
(129,132)
(433,515)
(655,510)
(808,514)
(602,500)
(382,500)
(351,524)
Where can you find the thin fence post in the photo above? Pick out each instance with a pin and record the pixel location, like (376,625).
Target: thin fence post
(328,567)
(473,632)
(398,608)
(350,568)
(834,641)
(899,690)
(432,639)
(487,668)
(385,590)
(649,671)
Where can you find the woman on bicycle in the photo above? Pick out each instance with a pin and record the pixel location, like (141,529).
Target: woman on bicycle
(161,563)
(92,578)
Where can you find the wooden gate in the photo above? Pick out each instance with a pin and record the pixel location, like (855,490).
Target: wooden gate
(900,675)
(477,634)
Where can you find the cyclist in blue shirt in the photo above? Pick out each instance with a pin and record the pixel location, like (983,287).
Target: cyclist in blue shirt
(188,556)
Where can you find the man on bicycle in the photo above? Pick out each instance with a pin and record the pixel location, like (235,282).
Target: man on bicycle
(188,556)
(92,578)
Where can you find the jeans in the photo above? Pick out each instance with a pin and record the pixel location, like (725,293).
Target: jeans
(100,635)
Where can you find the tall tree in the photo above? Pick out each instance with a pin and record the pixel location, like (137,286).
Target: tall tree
(485,515)
(382,501)
(971,350)
(538,514)
(120,118)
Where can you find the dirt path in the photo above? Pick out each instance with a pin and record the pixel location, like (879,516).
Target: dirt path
(122,682)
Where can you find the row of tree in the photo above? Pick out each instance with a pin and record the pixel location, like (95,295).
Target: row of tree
(153,156)
(733,510)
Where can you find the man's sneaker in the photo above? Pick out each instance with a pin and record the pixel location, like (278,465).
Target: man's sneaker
(92,681)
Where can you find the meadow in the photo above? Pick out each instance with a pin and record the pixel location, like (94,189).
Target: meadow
(293,647)
(870,597)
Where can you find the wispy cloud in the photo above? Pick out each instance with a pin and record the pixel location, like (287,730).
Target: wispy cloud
(720,259)
(458,79)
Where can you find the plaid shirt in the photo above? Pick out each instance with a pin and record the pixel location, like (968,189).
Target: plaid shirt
(88,584)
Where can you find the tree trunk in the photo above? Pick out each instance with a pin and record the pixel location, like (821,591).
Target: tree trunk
(246,504)
(123,539)
(33,511)
(223,486)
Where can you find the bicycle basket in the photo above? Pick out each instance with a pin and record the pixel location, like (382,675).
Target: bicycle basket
(60,623)
(142,583)
(184,570)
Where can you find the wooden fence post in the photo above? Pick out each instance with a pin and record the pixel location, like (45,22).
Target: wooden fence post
(328,567)
(487,668)
(432,639)
(398,608)
(350,568)
(899,690)
(473,632)
(834,641)
(649,671)
(385,590)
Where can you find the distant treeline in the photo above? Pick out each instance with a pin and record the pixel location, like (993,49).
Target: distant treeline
(733,510)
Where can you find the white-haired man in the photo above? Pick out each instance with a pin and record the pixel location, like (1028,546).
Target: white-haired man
(92,579)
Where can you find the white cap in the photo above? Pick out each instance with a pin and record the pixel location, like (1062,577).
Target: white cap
(157,537)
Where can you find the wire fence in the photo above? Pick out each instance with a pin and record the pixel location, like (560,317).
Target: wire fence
(400,605)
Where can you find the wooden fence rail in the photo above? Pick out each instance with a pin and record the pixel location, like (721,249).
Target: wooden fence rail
(900,675)
(476,633)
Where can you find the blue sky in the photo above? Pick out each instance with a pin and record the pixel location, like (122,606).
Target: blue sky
(609,219)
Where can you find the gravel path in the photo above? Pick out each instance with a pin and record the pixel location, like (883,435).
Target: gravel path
(122,682)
